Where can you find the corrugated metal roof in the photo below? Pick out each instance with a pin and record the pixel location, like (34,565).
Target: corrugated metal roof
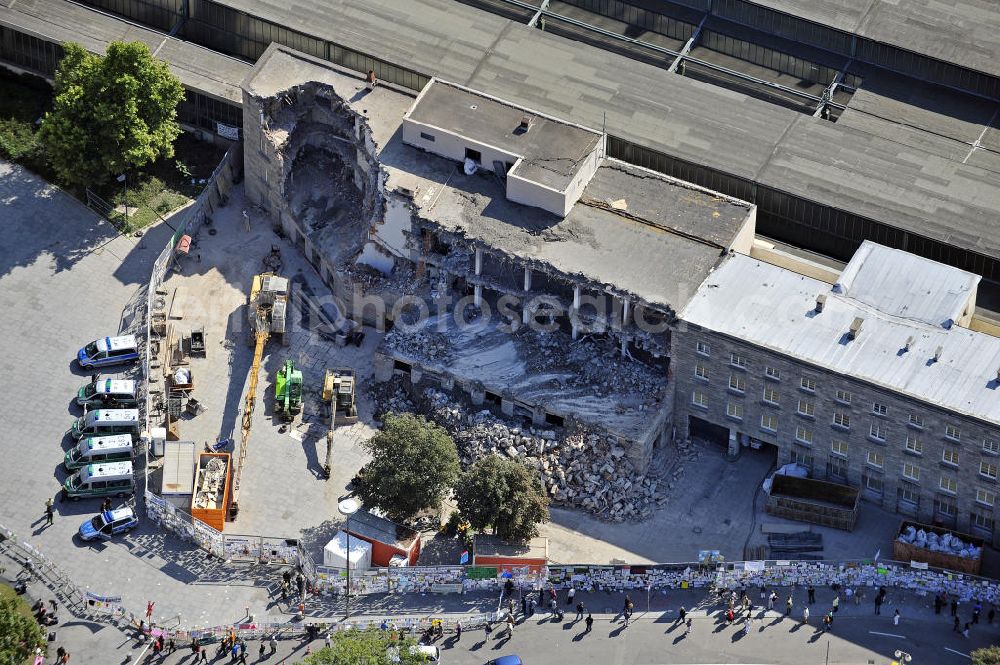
(774,308)
(906,285)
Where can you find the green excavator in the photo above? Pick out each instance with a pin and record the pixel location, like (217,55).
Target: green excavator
(288,392)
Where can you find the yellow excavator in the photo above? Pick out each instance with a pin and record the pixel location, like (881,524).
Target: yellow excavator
(266,307)
(338,392)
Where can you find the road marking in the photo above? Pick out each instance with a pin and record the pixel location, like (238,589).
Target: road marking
(963,655)
(875,632)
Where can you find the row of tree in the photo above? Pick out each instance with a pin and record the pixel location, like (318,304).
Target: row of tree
(415,466)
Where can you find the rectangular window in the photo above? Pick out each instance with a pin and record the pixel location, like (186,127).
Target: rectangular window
(737,383)
(948,484)
(701,371)
(842,419)
(474,155)
(427,137)
(908,493)
(704,349)
(770,395)
(982,519)
(986,497)
(807,384)
(844,397)
(736,360)
(838,447)
(879,409)
(769,422)
(873,482)
(804,435)
(698,398)
(953,433)
(917,420)
(911,471)
(914,445)
(950,456)
(734,410)
(945,506)
(874,459)
(991,446)
(772,373)
(988,469)
(806,408)
(805,460)
(878,430)
(836,467)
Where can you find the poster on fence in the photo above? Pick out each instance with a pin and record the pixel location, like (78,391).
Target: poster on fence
(241,548)
(279,551)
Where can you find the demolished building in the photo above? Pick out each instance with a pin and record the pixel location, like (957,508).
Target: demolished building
(512,260)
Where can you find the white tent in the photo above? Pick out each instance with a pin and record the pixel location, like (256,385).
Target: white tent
(335,552)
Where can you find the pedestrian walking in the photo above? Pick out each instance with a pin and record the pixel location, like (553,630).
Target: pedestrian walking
(681,614)
(510,606)
(487,629)
(552,594)
(828,623)
(805,614)
(553,606)
(687,626)
(579,611)
(836,604)
(510,626)
(328,639)
(234,652)
(49,512)
(878,604)
(458,631)
(812,594)
(589,622)
(954,607)
(965,630)
(730,615)
(243,657)
(149,610)
(541,596)
(273,644)
(895,618)
(524,606)
(938,604)
(171,646)
(955,625)
(531,607)
(260,651)
(570,595)
(52,604)
(771,599)
(746,626)
(788,606)
(976,610)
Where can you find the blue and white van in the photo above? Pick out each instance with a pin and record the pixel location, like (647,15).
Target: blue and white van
(105,422)
(109,523)
(108,393)
(109,351)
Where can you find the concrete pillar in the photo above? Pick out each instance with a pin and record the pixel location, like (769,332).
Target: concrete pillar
(416,375)
(383,368)
(525,315)
(448,382)
(576,296)
(576,330)
(734,445)
(538,416)
(507,406)
(478,295)
(477,395)
(624,313)
(479,261)
(527,279)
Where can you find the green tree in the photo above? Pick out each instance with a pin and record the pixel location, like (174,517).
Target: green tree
(505,495)
(986,656)
(20,634)
(367,647)
(111,113)
(414,464)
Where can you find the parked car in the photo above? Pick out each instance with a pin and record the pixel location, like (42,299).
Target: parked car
(506,660)
(109,523)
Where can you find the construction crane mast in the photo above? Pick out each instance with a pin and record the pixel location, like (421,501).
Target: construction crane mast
(267,307)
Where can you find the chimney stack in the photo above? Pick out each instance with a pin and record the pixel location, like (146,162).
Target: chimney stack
(855,328)
(937,353)
(909,343)
(820,302)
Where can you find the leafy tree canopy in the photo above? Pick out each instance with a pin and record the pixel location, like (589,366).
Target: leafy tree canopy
(367,647)
(414,464)
(20,634)
(110,113)
(986,656)
(505,495)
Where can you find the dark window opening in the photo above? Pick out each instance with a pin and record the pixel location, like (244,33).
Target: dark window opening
(492,398)
(401,366)
(474,155)
(427,137)
(553,419)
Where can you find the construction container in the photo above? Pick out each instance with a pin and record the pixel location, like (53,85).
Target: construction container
(211,489)
(335,553)
(906,552)
(510,557)
(814,501)
(386,537)
(177,479)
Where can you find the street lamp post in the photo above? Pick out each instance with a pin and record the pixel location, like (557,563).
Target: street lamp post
(902,656)
(348,507)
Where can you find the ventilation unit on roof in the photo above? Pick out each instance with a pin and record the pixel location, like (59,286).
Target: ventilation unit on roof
(525,124)
(855,328)
(937,353)
(820,302)
(909,343)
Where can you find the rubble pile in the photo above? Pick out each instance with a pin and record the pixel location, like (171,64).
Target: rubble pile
(428,345)
(594,366)
(578,468)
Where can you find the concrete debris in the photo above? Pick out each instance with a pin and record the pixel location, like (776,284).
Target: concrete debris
(429,345)
(578,468)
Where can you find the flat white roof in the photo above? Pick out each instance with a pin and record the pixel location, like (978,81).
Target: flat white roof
(112,469)
(105,442)
(774,308)
(113,415)
(116,343)
(114,387)
(906,285)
